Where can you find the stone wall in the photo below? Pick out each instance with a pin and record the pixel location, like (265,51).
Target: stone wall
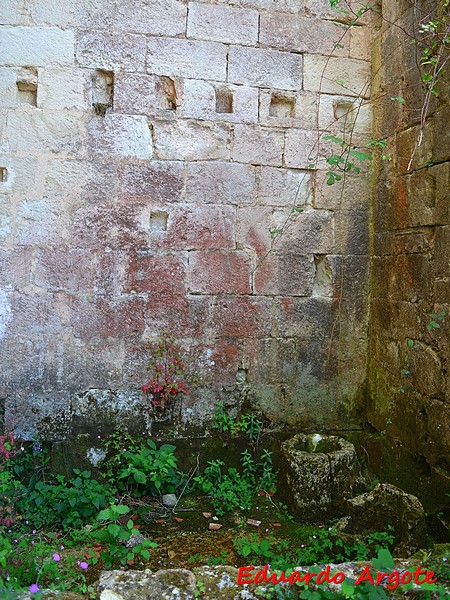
(148,150)
(409,384)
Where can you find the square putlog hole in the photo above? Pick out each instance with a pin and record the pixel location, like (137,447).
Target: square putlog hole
(166,94)
(27,85)
(102,91)
(344,112)
(282,106)
(224,100)
(158,221)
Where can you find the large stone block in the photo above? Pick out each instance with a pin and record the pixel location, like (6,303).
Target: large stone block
(222,24)
(111,50)
(36,46)
(156,273)
(135,94)
(63,269)
(158,180)
(242,316)
(35,317)
(354,191)
(158,17)
(43,131)
(220,272)
(265,68)
(71,13)
(218,102)
(187,58)
(295,33)
(284,187)
(254,225)
(13,13)
(307,318)
(107,317)
(301,146)
(220,182)
(21,175)
(63,88)
(285,274)
(258,145)
(8,87)
(336,75)
(191,140)
(40,222)
(80,181)
(120,135)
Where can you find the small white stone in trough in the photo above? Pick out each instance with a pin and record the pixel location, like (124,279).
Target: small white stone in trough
(169,500)
(253,522)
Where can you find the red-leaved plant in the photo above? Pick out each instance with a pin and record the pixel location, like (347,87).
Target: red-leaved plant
(168,370)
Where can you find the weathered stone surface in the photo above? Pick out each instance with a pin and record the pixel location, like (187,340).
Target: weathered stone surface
(120,135)
(21,176)
(134,93)
(388,505)
(163,17)
(336,75)
(191,140)
(159,180)
(220,182)
(301,145)
(295,33)
(73,13)
(222,24)
(36,46)
(242,316)
(43,131)
(158,274)
(65,269)
(138,585)
(288,274)
(111,50)
(219,272)
(187,58)
(265,68)
(284,187)
(39,222)
(8,87)
(258,145)
(63,88)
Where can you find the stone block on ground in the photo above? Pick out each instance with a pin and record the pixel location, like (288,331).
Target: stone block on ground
(383,506)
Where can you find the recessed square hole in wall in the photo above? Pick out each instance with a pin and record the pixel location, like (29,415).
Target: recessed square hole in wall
(3,174)
(344,111)
(224,100)
(282,105)
(102,91)
(158,221)
(323,276)
(27,86)
(166,93)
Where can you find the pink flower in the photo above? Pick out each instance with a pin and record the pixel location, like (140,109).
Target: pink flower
(56,557)
(34,588)
(83,565)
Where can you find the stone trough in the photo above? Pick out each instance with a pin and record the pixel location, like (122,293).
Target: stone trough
(322,472)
